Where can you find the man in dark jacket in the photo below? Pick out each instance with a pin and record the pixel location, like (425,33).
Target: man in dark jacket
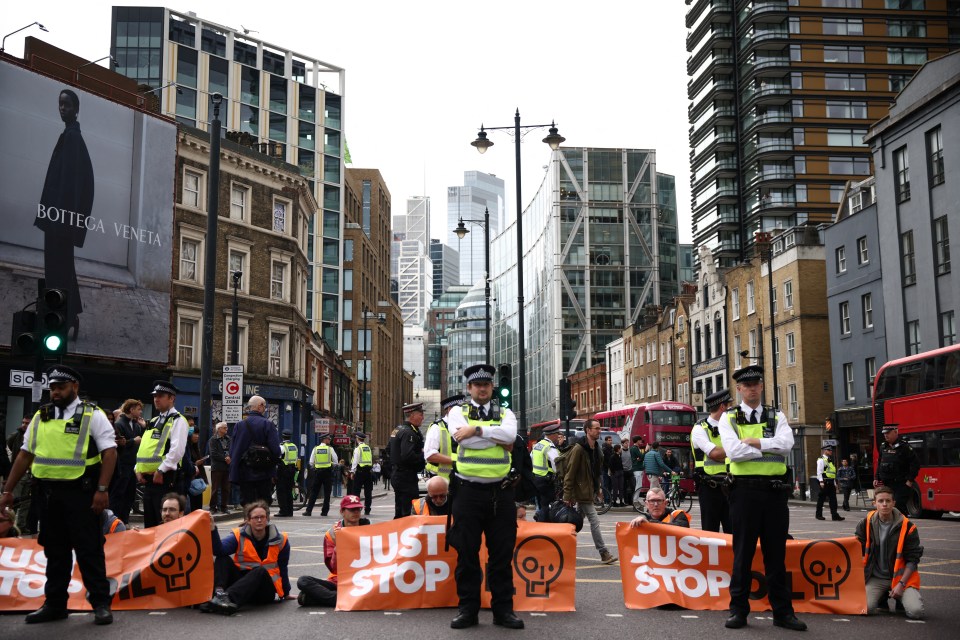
(219,450)
(250,436)
(581,482)
(898,466)
(123,487)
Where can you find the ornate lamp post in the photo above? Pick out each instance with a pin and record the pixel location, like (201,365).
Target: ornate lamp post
(461,232)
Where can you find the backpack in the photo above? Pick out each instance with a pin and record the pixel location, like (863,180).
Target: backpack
(257,456)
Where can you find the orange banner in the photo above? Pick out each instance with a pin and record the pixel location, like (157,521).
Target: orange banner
(160,568)
(662,564)
(401,564)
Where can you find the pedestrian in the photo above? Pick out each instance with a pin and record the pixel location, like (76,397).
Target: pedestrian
(636,461)
(316,592)
(656,503)
(654,466)
(846,479)
(436,502)
(606,451)
(544,457)
(891,551)
(286,474)
(439,448)
(27,515)
(615,466)
(581,482)
(827,477)
(219,448)
(250,565)
(323,461)
(161,451)
(361,471)
(73,478)
(254,454)
(406,453)
(128,427)
(386,470)
(198,469)
(757,440)
(484,507)
(629,484)
(710,462)
(375,472)
(898,467)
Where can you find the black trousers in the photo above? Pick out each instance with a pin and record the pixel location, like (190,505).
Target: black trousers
(250,586)
(68,525)
(546,494)
(759,514)
(285,477)
(846,497)
(153,497)
(714,508)
(363,479)
(123,491)
(405,491)
(484,510)
(828,493)
(901,494)
(321,478)
(251,490)
(318,592)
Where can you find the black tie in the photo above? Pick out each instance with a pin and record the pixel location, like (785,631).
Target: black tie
(483,414)
(753,417)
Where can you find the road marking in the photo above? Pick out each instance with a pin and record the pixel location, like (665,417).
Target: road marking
(841,620)
(614,615)
(925,587)
(392,613)
(611,581)
(915,621)
(80,614)
(538,615)
(157,613)
(318,613)
(690,617)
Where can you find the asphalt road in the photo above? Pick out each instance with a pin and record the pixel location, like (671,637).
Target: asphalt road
(600,611)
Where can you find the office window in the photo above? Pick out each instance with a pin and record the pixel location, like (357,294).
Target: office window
(844,318)
(941,237)
(901,163)
(898,81)
(842,54)
(907,265)
(935,153)
(278,280)
(788,294)
(842,27)
(845,137)
(791,349)
(911,5)
(906,55)
(845,82)
(849,4)
(906,28)
(863,254)
(239,196)
(948,330)
(913,337)
(866,307)
(848,165)
(735,297)
(846,109)
(848,381)
(751,302)
(794,402)
(192,195)
(870,365)
(841,259)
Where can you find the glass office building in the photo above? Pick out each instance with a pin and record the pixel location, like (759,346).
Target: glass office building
(599,244)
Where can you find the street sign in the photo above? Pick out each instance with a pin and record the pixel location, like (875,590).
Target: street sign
(232,413)
(322,425)
(341,440)
(232,388)
(24,379)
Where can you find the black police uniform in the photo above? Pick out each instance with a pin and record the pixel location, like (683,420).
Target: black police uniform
(286,474)
(406,452)
(898,463)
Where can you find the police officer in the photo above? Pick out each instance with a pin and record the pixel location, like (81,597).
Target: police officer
(898,467)
(711,464)
(286,473)
(406,453)
(484,504)
(439,448)
(827,476)
(72,449)
(757,440)
(322,461)
(361,472)
(544,457)
(161,451)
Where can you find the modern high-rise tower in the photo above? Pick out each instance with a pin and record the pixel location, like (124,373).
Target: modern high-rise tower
(410,263)
(480,191)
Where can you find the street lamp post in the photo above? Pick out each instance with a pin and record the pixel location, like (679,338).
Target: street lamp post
(762,240)
(3,45)
(367,341)
(462,231)
(235,333)
(554,140)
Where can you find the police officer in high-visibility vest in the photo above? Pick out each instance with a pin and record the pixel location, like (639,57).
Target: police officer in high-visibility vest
(72,449)
(484,504)
(439,448)
(711,464)
(757,440)
(161,451)
(322,460)
(544,457)
(827,477)
(361,472)
(286,473)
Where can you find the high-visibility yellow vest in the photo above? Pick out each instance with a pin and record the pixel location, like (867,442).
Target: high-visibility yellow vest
(290,452)
(366,456)
(541,458)
(829,469)
(446,449)
(154,444)
(321,457)
(490,462)
(770,464)
(60,447)
(703,461)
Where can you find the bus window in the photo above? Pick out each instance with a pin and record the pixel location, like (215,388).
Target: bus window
(932,446)
(909,379)
(950,448)
(948,369)
(687,418)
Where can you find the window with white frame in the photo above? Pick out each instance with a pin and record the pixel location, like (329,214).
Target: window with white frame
(794,402)
(773,299)
(935,156)
(193,183)
(278,280)
(948,329)
(242,330)
(788,294)
(191,254)
(239,260)
(866,307)
(737,350)
(901,163)
(870,366)
(913,337)
(791,349)
(776,350)
(188,337)
(752,340)
(941,238)
(907,264)
(841,259)
(682,356)
(277,364)
(239,202)
(281,211)
(735,297)
(751,302)
(844,318)
(848,381)
(863,254)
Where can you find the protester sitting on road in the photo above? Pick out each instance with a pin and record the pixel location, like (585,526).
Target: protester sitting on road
(657,512)
(315,592)
(521,511)
(172,507)
(111,523)
(435,503)
(251,563)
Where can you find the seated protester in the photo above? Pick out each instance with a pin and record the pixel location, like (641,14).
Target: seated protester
(521,511)
(172,507)
(315,592)
(657,512)
(8,527)
(891,551)
(435,503)
(111,523)
(251,563)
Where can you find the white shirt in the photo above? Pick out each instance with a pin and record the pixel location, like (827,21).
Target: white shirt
(356,459)
(100,428)
(504,433)
(178,441)
(780,444)
(431,443)
(700,439)
(552,454)
(821,467)
(333,456)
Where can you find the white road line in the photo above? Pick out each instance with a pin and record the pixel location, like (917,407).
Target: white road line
(841,620)
(915,621)
(392,613)
(157,613)
(614,615)
(690,617)
(538,615)
(318,613)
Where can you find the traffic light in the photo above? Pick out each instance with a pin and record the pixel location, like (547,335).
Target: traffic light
(24,340)
(52,322)
(504,389)
(567,403)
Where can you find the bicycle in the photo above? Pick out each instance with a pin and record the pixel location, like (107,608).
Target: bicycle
(601,505)
(680,496)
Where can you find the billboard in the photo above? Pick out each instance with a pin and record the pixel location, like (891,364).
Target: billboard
(86,202)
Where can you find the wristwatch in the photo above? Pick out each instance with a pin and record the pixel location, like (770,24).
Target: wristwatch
(477,431)
(102,487)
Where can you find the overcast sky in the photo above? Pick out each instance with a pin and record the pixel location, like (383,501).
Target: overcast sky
(422,76)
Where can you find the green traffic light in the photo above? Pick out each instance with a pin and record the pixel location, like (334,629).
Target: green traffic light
(504,392)
(52,343)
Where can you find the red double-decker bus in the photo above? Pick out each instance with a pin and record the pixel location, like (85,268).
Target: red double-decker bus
(668,423)
(921,394)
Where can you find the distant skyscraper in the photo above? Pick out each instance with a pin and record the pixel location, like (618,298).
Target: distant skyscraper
(479,191)
(410,261)
(446,267)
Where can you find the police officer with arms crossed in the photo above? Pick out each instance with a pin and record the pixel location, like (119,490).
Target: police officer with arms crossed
(406,454)
(73,450)
(361,472)
(544,456)
(161,451)
(711,464)
(757,440)
(898,467)
(484,504)
(286,472)
(827,476)
(439,449)
(322,460)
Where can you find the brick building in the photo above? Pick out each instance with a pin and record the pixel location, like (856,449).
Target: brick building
(589,388)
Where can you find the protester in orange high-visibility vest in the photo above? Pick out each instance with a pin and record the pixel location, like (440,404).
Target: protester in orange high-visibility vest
(657,511)
(435,503)
(891,552)
(316,592)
